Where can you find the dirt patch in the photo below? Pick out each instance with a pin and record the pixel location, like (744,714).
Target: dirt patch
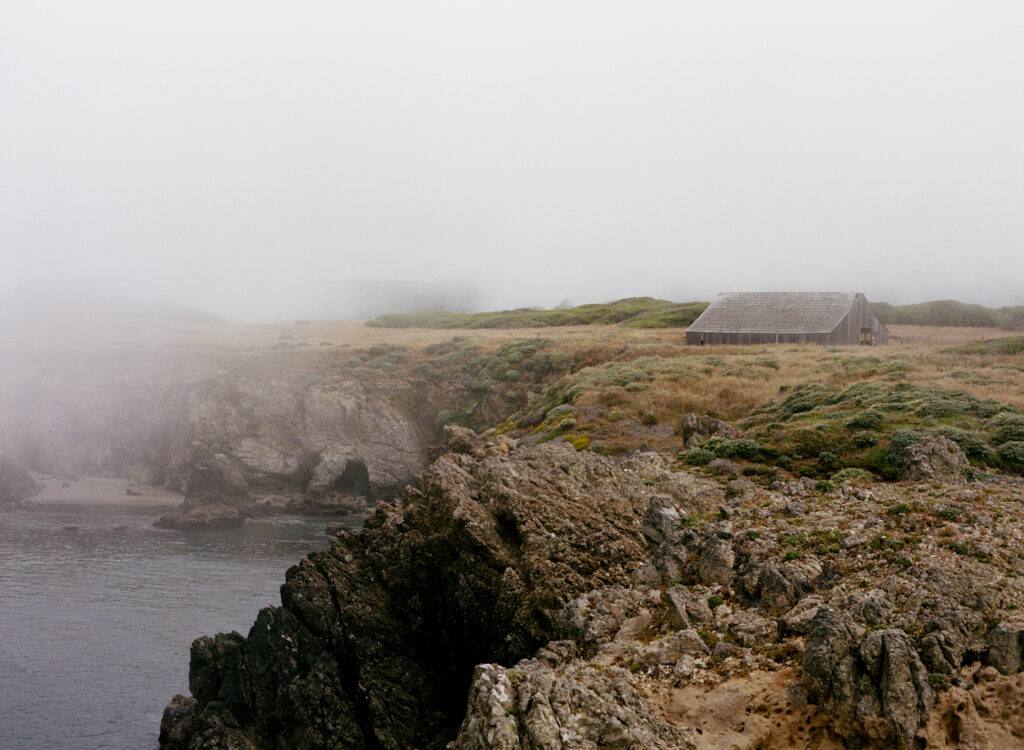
(990,714)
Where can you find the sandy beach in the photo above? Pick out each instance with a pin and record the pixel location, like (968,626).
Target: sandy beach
(100,491)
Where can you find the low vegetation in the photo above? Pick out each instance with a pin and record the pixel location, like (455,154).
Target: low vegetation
(950,313)
(634,312)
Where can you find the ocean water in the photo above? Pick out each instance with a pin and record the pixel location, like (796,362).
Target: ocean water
(98,610)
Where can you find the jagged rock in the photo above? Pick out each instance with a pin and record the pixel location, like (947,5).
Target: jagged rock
(798,619)
(933,459)
(1005,646)
(15,483)
(574,706)
(715,563)
(661,520)
(875,685)
(901,682)
(375,637)
(750,628)
(696,429)
(801,486)
(687,608)
(207,517)
(462,440)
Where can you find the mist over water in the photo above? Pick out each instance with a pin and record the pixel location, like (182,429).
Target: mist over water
(96,622)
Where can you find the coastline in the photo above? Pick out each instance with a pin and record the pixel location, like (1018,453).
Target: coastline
(99,491)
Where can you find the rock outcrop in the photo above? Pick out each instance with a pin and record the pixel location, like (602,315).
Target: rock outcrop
(311,435)
(216,493)
(15,483)
(376,640)
(933,459)
(523,597)
(697,428)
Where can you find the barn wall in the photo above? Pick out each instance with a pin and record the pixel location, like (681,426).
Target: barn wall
(743,339)
(847,332)
(860,316)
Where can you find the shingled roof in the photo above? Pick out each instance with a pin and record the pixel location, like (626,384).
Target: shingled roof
(774,312)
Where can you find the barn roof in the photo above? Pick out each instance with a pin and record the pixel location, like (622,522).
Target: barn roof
(774,312)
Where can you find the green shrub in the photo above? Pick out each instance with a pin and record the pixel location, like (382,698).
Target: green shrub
(938,681)
(768,472)
(828,459)
(808,443)
(715,601)
(803,398)
(903,438)
(1012,454)
(869,419)
(853,475)
(865,439)
(744,448)
(726,448)
(697,457)
(970,443)
(1008,427)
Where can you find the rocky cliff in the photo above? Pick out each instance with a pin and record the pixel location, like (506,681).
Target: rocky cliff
(15,483)
(543,597)
(295,435)
(376,640)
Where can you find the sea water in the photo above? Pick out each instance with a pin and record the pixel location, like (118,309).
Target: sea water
(98,610)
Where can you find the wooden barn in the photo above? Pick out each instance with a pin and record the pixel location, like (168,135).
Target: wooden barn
(828,318)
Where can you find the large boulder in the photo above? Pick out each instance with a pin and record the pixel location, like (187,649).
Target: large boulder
(15,483)
(933,459)
(210,517)
(697,428)
(874,683)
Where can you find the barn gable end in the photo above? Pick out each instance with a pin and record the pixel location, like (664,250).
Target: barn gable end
(828,318)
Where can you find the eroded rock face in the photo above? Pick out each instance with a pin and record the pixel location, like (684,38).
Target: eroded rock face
(327,440)
(15,483)
(376,640)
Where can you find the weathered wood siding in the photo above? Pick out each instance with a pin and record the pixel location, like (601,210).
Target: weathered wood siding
(846,332)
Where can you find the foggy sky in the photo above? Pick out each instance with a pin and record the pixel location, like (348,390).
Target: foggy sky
(256,158)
